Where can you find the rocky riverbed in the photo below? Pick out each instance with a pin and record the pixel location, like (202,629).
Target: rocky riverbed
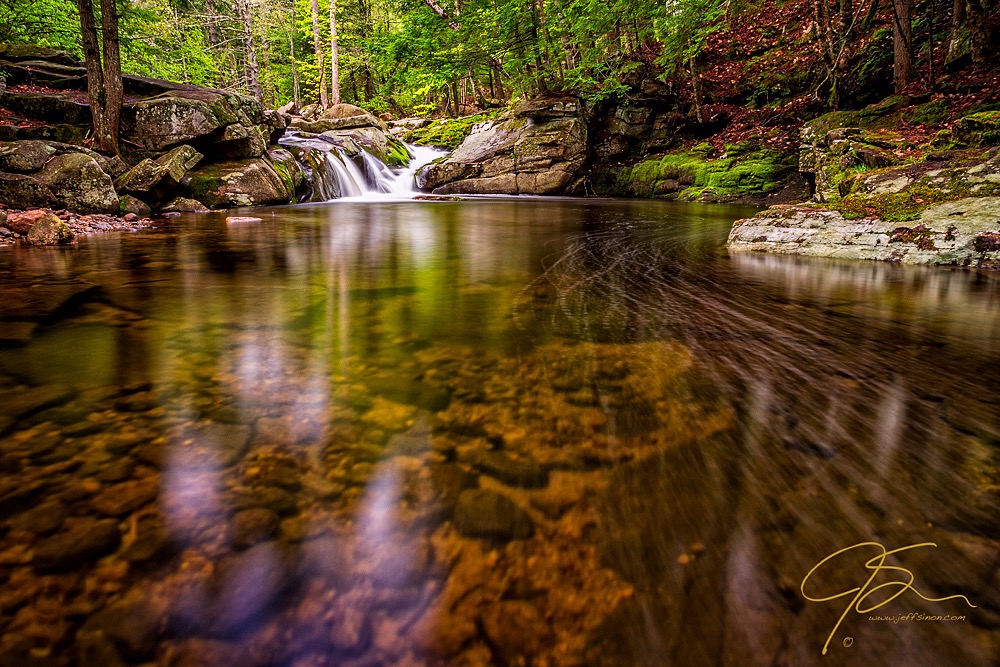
(445,519)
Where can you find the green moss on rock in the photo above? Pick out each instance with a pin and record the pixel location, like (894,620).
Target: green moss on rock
(446,133)
(692,175)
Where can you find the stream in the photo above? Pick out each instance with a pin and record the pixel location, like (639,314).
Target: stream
(497,431)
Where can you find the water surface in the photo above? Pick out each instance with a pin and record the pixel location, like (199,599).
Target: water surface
(491,432)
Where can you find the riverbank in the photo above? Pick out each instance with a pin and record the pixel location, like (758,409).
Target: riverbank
(42,226)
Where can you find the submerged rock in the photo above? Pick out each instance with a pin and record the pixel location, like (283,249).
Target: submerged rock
(515,472)
(483,513)
(84,541)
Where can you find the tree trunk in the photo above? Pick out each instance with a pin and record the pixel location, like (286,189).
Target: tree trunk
(250,50)
(113,88)
(696,93)
(334,56)
(318,45)
(104,82)
(957,30)
(296,91)
(902,41)
(977,32)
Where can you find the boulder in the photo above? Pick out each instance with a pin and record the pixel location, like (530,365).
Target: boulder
(69,107)
(155,180)
(20,52)
(129,204)
(372,139)
(182,205)
(539,147)
(288,169)
(24,156)
(23,191)
(78,183)
(50,230)
(185,116)
(960,233)
(251,182)
(274,126)
(21,223)
(331,124)
(343,111)
(237,142)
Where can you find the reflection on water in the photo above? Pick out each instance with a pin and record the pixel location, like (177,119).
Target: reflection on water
(494,432)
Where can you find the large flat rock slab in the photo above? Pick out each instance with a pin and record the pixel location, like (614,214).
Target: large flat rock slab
(960,233)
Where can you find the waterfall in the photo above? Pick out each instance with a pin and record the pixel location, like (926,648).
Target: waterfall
(336,175)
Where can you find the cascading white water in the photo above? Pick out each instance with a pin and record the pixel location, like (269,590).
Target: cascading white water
(385,183)
(351,182)
(336,176)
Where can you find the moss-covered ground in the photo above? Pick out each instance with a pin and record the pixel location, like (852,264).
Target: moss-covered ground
(739,173)
(447,133)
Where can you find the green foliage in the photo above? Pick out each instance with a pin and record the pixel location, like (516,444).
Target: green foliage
(53,23)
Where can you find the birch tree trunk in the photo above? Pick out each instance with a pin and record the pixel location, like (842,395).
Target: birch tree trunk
(334,56)
(250,50)
(324,101)
(296,91)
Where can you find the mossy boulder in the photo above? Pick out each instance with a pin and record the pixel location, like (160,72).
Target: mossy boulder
(23,191)
(187,116)
(397,154)
(78,183)
(182,205)
(976,130)
(744,173)
(251,182)
(287,167)
(50,230)
(129,204)
(448,133)
(156,180)
(24,156)
(537,148)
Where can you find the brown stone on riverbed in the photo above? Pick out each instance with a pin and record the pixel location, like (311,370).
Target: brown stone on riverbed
(483,513)
(124,498)
(254,525)
(516,630)
(82,542)
(236,219)
(21,222)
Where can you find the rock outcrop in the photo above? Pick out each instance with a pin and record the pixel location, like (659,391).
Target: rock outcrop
(960,233)
(167,131)
(49,174)
(537,148)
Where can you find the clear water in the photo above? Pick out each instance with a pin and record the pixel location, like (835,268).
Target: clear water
(490,432)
